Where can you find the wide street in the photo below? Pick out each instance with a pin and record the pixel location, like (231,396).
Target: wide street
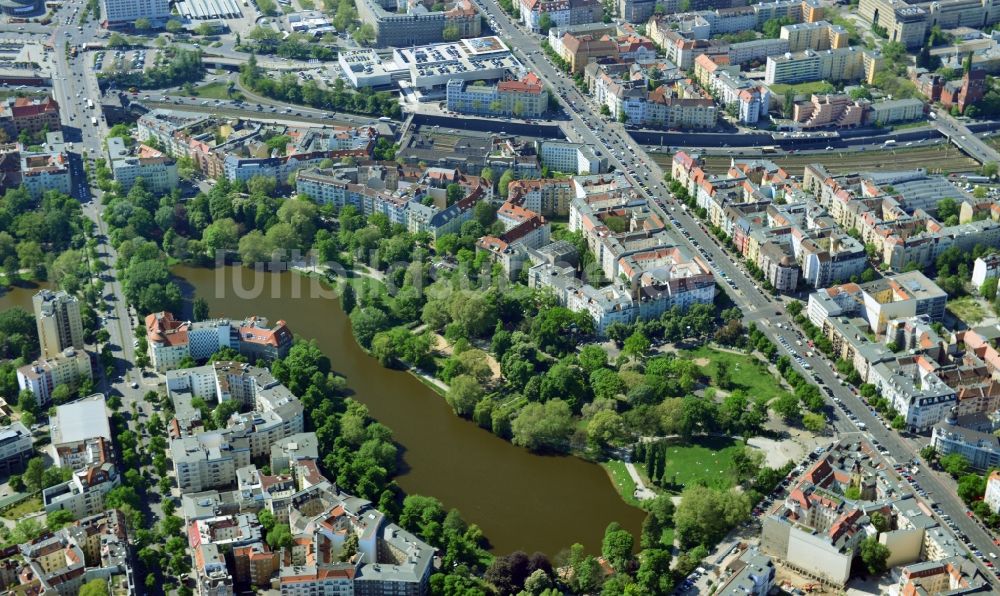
(73,85)
(588,126)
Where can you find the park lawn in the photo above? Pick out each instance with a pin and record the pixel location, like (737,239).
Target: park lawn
(22,509)
(968,309)
(748,372)
(216,90)
(803,88)
(621,480)
(706,458)
(667,537)
(906,125)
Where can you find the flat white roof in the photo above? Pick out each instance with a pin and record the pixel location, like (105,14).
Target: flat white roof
(81,420)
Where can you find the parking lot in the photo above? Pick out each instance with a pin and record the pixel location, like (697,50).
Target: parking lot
(114,60)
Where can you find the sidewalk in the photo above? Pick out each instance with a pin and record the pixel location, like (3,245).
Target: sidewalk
(642,492)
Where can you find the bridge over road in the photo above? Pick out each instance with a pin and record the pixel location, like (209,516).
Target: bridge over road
(959,134)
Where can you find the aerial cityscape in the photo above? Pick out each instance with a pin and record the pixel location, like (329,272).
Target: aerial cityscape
(499,297)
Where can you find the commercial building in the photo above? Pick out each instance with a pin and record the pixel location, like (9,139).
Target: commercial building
(409,22)
(83,494)
(81,435)
(124,13)
(908,23)
(157,171)
(57,315)
(526,98)
(41,377)
(15,447)
(22,8)
(427,67)
(170,340)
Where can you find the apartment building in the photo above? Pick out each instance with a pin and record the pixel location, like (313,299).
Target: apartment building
(898,223)
(914,389)
(61,562)
(822,111)
(992,495)
(44,171)
(899,296)
(561,12)
(981,449)
(525,230)
(651,274)
(639,11)
(411,197)
(31,115)
(817,530)
(157,171)
(41,377)
(984,268)
(663,107)
(545,196)
(841,64)
(83,494)
(237,149)
(819,36)
(208,460)
(788,242)
(81,434)
(891,111)
(729,87)
(170,340)
(752,573)
(57,315)
(571,158)
(525,98)
(16,447)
